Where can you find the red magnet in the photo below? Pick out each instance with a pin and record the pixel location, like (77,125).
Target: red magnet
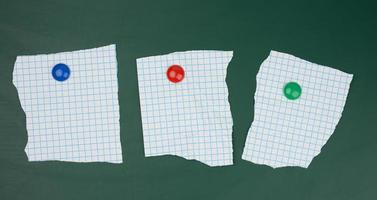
(175,73)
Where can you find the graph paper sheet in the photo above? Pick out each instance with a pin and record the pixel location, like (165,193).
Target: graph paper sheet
(292,132)
(75,120)
(192,118)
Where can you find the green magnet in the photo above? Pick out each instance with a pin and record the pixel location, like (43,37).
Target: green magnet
(292,90)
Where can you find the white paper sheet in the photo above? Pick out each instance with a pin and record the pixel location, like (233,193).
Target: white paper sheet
(192,118)
(75,120)
(292,132)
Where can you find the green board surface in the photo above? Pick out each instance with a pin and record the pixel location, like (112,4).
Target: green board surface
(340,34)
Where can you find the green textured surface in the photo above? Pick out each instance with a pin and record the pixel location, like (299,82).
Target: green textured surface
(339,34)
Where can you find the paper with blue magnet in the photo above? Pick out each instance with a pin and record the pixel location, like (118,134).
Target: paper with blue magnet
(71,105)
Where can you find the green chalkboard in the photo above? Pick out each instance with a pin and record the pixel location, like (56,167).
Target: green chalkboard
(340,34)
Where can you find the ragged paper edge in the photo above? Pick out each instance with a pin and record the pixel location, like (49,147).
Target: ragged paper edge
(110,46)
(350,78)
(227,53)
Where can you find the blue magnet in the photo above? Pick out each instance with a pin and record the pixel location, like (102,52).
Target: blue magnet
(61,72)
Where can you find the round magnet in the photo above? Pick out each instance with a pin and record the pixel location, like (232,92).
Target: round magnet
(175,73)
(292,90)
(61,72)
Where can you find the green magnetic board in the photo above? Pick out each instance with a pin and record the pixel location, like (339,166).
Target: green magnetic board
(340,34)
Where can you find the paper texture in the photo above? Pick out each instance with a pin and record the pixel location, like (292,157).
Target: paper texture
(289,132)
(75,120)
(192,118)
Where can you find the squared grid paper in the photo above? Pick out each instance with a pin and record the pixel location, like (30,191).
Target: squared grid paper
(75,120)
(192,118)
(292,132)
